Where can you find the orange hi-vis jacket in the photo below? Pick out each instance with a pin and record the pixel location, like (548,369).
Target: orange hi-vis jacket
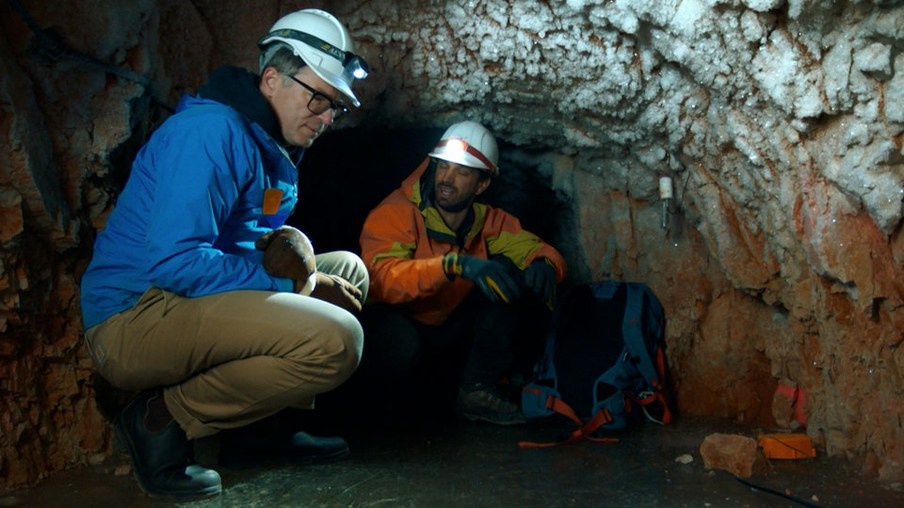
(404,240)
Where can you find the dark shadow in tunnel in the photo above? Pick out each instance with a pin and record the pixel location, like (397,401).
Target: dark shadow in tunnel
(346,173)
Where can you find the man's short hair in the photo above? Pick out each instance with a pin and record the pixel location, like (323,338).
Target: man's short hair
(282,58)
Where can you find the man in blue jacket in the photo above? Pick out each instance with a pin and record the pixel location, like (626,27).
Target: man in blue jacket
(177,303)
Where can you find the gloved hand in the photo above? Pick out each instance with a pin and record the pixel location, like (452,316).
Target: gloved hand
(287,253)
(338,291)
(490,276)
(540,278)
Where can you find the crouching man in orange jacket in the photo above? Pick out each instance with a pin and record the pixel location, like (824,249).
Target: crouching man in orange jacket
(427,246)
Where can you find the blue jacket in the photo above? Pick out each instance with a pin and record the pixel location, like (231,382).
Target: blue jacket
(191,210)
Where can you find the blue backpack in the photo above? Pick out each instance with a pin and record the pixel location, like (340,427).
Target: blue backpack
(603,363)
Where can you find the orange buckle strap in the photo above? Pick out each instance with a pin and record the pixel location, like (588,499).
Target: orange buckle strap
(583,431)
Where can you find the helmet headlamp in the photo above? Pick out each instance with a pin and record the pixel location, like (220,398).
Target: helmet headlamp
(356,65)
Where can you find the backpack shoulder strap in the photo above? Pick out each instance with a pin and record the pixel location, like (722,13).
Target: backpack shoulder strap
(637,303)
(643,313)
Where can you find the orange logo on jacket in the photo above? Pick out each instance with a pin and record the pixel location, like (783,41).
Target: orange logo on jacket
(272,199)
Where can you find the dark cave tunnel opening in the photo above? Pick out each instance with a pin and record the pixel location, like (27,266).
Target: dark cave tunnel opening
(347,172)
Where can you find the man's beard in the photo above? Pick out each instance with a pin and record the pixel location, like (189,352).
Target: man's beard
(452,206)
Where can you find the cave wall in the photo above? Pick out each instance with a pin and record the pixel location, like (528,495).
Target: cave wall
(779,122)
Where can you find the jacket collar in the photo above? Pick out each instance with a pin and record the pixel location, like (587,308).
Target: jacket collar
(239,89)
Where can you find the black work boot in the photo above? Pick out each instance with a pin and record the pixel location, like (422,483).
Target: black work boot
(162,458)
(307,449)
(275,439)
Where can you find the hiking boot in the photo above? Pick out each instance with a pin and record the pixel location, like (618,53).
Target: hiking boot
(481,402)
(307,449)
(271,439)
(162,458)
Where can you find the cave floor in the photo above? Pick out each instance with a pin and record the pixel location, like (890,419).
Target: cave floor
(451,463)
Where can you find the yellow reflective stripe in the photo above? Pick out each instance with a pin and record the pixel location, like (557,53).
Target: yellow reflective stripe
(496,289)
(397,250)
(480,217)
(416,193)
(515,246)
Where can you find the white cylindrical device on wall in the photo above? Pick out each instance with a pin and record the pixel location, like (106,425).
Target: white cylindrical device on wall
(665,187)
(665,196)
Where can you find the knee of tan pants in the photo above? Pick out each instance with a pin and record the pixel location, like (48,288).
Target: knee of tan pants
(344,359)
(347,265)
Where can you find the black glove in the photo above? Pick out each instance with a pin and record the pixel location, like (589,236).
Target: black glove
(540,277)
(491,277)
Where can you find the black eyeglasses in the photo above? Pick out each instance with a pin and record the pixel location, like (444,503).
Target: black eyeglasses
(319,102)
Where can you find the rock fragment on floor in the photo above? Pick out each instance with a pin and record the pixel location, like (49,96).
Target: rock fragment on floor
(731,452)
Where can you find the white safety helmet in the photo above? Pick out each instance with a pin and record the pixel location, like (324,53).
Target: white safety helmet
(469,144)
(324,44)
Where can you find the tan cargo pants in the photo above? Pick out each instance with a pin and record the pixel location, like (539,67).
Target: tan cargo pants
(230,359)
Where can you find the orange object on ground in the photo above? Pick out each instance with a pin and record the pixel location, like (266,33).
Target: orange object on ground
(787,446)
